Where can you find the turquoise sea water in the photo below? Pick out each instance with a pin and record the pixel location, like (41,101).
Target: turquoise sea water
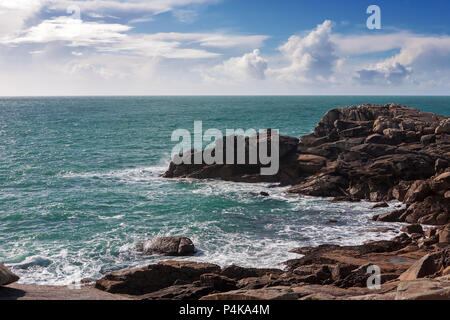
(80,185)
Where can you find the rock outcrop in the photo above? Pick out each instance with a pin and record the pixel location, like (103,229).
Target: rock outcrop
(246,172)
(431,265)
(6,276)
(408,270)
(372,152)
(155,277)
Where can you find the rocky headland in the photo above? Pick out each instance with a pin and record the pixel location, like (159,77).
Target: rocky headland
(376,153)
(368,152)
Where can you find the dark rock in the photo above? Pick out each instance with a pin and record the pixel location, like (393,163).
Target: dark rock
(416,236)
(431,232)
(418,191)
(87,281)
(444,127)
(441,183)
(218,282)
(412,228)
(323,185)
(428,139)
(264,194)
(390,216)
(246,172)
(371,152)
(444,234)
(345,199)
(179,292)
(381,205)
(399,191)
(169,246)
(309,163)
(155,277)
(238,273)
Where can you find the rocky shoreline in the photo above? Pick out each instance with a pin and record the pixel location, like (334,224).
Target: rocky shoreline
(377,153)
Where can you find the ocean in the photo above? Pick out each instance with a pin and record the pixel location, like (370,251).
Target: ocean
(80,185)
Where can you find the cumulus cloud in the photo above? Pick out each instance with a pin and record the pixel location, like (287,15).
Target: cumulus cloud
(419,54)
(14,14)
(251,66)
(311,57)
(384,73)
(432,53)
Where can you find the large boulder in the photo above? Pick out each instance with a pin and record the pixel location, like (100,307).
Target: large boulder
(444,235)
(6,276)
(140,281)
(412,228)
(418,191)
(444,127)
(431,265)
(169,246)
(441,183)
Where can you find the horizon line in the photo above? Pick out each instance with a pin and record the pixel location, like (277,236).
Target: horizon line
(226,95)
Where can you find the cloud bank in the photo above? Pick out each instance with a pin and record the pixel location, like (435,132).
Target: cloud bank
(103,50)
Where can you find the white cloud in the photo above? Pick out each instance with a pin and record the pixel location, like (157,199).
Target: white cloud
(74,31)
(213,40)
(149,45)
(251,66)
(433,53)
(140,6)
(384,73)
(312,57)
(185,15)
(109,37)
(14,14)
(419,55)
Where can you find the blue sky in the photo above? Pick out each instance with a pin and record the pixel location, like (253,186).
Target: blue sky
(161,47)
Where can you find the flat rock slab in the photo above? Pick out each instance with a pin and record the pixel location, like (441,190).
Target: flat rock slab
(36,292)
(424,289)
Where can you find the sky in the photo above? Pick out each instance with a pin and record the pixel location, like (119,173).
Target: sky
(224,47)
